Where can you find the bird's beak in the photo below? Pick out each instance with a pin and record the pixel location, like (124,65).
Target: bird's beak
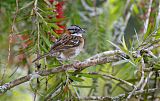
(83,31)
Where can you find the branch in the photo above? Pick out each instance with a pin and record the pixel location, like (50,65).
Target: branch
(139,92)
(74,66)
(119,97)
(148,15)
(141,80)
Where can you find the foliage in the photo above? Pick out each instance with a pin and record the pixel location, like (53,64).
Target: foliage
(29,28)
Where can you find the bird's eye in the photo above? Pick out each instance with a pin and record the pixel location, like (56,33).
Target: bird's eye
(77,29)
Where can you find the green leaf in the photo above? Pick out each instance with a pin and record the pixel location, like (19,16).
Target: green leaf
(146,35)
(157,36)
(26,5)
(44,49)
(74,78)
(121,62)
(89,75)
(124,44)
(135,9)
(53,25)
(46,41)
(157,63)
(157,66)
(53,20)
(114,44)
(81,86)
(52,32)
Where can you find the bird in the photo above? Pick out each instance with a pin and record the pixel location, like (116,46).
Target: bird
(68,46)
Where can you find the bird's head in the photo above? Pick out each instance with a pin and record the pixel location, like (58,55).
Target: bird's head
(76,30)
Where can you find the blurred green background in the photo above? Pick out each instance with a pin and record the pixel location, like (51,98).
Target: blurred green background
(105,21)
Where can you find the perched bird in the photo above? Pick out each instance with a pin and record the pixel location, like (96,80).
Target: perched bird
(68,46)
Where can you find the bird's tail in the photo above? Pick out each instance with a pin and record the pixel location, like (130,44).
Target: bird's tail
(40,57)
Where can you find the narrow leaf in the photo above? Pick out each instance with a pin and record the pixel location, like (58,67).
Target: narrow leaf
(76,78)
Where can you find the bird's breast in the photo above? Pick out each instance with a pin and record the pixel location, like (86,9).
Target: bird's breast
(72,52)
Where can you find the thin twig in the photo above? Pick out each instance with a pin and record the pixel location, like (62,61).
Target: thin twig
(126,6)
(147,19)
(112,77)
(153,46)
(128,17)
(146,80)
(35,9)
(141,80)
(150,44)
(14,72)
(158,16)
(139,92)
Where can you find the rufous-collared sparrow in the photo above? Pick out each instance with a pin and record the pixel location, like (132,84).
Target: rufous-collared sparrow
(68,46)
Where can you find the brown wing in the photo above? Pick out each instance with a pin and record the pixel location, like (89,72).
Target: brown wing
(65,42)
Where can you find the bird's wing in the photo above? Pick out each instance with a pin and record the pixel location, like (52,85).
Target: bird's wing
(66,42)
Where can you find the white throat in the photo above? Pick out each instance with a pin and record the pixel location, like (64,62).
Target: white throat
(77,35)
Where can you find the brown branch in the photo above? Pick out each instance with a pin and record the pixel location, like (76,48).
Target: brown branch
(74,66)
(118,79)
